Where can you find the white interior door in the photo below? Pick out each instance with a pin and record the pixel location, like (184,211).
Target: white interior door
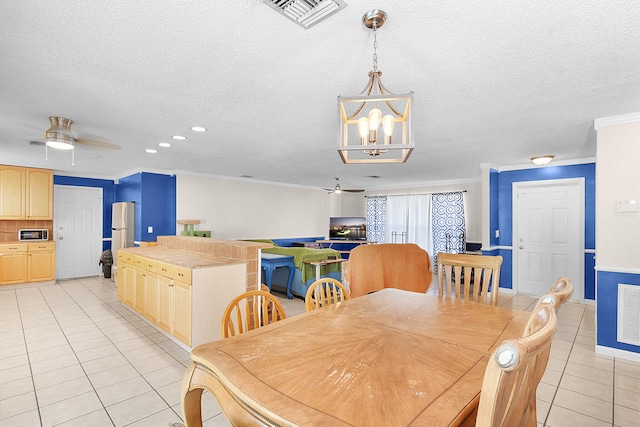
(548,239)
(78,230)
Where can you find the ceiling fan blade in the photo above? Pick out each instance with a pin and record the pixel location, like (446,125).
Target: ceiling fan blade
(331,190)
(36,142)
(98,144)
(353,191)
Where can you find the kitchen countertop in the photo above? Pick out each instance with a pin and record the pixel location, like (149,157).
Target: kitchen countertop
(180,257)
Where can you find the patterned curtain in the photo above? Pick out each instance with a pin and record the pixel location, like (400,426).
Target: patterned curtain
(448,223)
(376,217)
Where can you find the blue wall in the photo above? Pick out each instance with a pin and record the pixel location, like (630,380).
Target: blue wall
(607,308)
(501,184)
(154,194)
(108,196)
(155,198)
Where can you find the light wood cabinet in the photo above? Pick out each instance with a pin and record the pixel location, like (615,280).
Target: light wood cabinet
(39,195)
(186,303)
(12,192)
(41,262)
(13,263)
(121,277)
(26,193)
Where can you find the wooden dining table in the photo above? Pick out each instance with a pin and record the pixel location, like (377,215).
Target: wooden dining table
(391,358)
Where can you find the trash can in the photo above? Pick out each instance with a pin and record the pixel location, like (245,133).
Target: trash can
(106,260)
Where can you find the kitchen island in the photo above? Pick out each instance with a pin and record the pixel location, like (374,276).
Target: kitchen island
(183,285)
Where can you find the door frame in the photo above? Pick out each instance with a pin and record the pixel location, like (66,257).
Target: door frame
(578,292)
(57,187)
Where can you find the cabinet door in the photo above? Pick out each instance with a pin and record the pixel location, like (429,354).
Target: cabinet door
(39,194)
(141,290)
(151,306)
(121,278)
(13,268)
(41,266)
(12,192)
(130,283)
(165,302)
(182,312)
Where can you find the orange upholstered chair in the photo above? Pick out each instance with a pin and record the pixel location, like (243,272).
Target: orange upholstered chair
(388,265)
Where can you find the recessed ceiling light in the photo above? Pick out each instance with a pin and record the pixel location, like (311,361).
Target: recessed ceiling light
(151,151)
(198,129)
(180,137)
(164,144)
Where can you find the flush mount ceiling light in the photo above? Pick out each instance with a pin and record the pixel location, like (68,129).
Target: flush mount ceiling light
(362,115)
(179,137)
(198,129)
(542,160)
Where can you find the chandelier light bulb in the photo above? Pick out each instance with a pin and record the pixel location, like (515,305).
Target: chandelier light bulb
(387,126)
(363,129)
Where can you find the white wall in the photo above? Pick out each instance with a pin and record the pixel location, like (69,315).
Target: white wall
(472,197)
(240,209)
(617,178)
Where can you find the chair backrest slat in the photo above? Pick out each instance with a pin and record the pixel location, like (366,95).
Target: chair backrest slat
(323,292)
(251,310)
(470,277)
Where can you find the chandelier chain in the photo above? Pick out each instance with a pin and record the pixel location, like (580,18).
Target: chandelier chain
(375,47)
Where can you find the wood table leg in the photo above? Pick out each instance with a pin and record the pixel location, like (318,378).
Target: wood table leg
(191,400)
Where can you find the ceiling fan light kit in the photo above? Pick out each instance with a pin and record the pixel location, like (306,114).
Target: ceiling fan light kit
(60,135)
(361,117)
(338,189)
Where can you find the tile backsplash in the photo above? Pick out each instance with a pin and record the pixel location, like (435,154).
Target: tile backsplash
(9,229)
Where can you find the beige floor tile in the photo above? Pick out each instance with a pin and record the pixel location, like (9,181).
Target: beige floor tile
(16,387)
(165,376)
(587,387)
(133,344)
(98,418)
(96,353)
(551,377)
(63,391)
(628,399)
(53,363)
(154,363)
(627,383)
(629,369)
(136,408)
(583,404)
(58,376)
(625,417)
(118,392)
(26,419)
(112,376)
(594,374)
(171,393)
(14,361)
(104,363)
(546,392)
(12,374)
(218,421)
(40,355)
(13,350)
(17,405)
(90,343)
(561,417)
(542,410)
(162,418)
(70,409)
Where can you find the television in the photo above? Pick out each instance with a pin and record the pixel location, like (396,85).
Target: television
(347,228)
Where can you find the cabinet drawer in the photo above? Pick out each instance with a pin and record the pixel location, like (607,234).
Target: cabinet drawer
(36,247)
(128,257)
(182,274)
(13,247)
(150,264)
(164,269)
(139,261)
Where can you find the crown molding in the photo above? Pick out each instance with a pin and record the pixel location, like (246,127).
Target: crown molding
(616,120)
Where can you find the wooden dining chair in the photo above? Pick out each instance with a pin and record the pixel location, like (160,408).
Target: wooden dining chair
(559,293)
(469,277)
(249,311)
(508,383)
(324,292)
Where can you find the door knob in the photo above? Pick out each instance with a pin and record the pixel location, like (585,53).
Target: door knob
(60,238)
(521,247)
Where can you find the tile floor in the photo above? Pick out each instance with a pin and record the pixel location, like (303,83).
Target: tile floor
(71,355)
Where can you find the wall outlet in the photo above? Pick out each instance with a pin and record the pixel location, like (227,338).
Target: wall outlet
(497,234)
(149,229)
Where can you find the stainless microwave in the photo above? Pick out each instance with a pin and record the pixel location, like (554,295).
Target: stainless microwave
(33,235)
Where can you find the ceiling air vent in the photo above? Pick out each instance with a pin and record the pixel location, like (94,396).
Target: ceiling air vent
(306,13)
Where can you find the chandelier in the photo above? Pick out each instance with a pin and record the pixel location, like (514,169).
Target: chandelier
(361,116)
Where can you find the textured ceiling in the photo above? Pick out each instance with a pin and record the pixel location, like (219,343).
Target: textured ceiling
(494,82)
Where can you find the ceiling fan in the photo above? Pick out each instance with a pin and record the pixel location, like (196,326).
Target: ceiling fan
(60,136)
(338,189)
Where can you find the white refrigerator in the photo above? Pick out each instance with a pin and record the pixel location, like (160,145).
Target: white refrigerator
(123,223)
